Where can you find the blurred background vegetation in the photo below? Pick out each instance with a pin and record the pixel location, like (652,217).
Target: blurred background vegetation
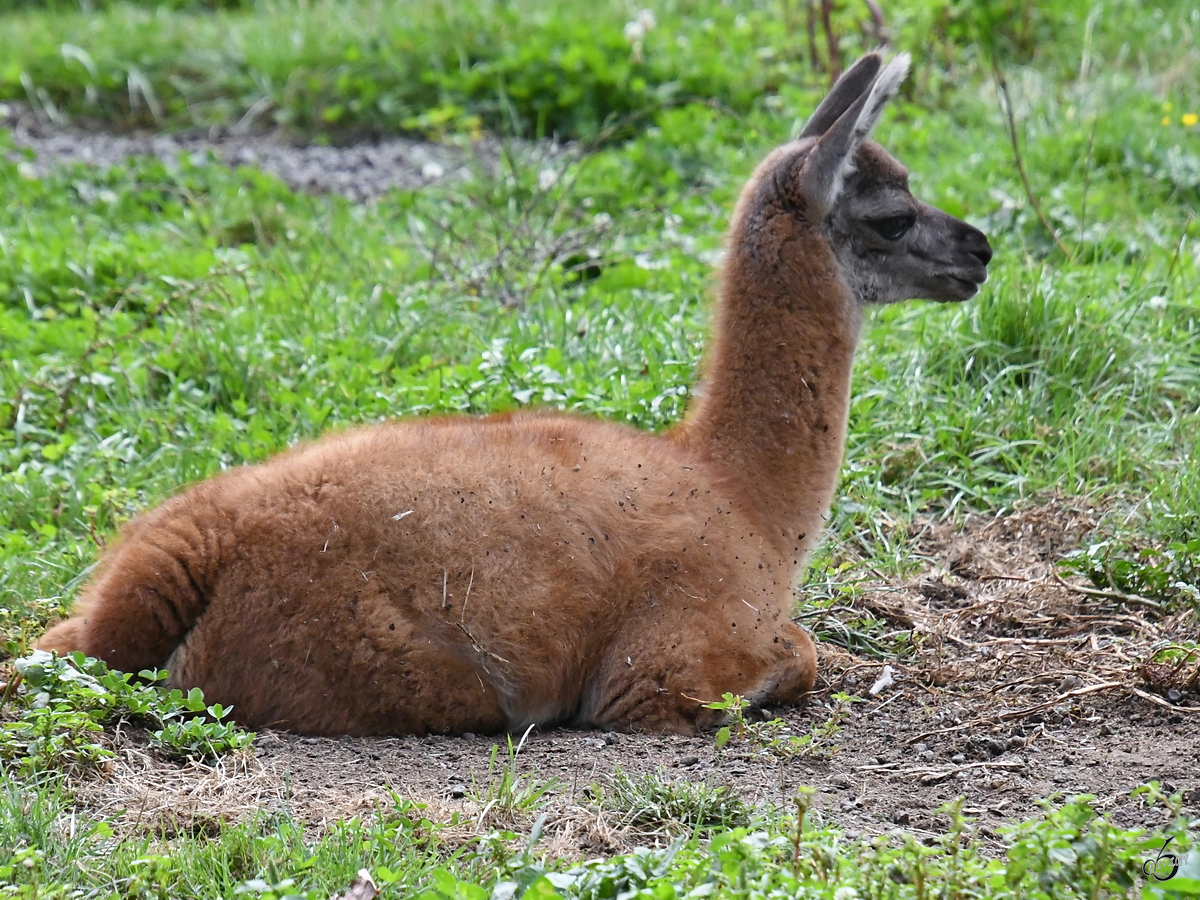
(352,68)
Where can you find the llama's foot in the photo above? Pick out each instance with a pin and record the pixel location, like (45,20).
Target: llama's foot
(130,630)
(792,677)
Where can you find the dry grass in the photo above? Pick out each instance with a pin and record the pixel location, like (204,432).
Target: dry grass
(138,793)
(997,628)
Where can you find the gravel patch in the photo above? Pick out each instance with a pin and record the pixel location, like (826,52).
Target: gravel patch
(359,172)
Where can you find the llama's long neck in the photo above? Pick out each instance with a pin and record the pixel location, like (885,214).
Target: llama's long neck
(775,399)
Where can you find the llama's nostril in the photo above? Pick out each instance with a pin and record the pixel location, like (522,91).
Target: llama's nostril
(984,253)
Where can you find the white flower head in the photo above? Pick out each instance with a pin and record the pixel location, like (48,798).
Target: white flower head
(646,19)
(634,32)
(547,178)
(1157,302)
(845,893)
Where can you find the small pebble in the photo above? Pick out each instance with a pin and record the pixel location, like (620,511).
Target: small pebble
(689,760)
(958,759)
(468,735)
(456,791)
(1069,683)
(611,738)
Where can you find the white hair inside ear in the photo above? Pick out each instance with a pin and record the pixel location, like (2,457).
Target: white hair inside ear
(831,159)
(884,88)
(886,85)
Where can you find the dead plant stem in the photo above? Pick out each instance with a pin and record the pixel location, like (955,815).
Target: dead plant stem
(1011,127)
(1120,596)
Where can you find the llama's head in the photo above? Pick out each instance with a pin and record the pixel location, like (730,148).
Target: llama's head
(889,246)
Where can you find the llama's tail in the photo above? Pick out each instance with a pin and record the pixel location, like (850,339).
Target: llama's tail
(148,593)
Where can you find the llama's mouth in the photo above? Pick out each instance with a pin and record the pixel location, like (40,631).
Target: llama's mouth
(960,288)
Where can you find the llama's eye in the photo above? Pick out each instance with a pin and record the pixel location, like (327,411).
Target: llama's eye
(893,227)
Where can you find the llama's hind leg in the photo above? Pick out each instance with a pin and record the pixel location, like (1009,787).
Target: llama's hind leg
(147,596)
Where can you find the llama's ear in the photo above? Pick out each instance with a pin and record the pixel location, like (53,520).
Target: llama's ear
(854,82)
(831,159)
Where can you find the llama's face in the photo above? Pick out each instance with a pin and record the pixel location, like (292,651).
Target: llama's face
(890,246)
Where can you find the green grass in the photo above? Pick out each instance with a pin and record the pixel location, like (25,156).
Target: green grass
(1068,852)
(158,325)
(507,796)
(658,804)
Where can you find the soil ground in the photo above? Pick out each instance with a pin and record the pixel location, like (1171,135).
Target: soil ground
(1020,688)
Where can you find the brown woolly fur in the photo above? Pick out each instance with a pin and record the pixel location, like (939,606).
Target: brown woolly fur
(480,574)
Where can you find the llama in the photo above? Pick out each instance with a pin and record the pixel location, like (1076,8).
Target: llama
(463,574)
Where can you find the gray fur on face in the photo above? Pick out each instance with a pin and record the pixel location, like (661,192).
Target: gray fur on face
(890,247)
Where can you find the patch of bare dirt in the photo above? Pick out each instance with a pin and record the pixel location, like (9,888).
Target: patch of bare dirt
(359,172)
(1022,687)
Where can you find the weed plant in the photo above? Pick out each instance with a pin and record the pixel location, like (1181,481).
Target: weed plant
(64,702)
(1068,852)
(773,737)
(506,795)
